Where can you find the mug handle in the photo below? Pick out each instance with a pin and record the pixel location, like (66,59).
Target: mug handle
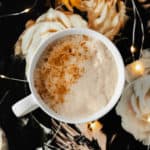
(24,106)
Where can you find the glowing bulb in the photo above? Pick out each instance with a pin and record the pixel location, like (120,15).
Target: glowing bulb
(132,49)
(138,68)
(96,125)
(148,119)
(13,79)
(26,10)
(2,76)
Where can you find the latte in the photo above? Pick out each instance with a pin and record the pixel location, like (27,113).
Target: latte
(76,76)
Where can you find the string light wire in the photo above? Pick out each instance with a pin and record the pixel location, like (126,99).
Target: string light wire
(26,10)
(134,23)
(142,29)
(137,14)
(13,79)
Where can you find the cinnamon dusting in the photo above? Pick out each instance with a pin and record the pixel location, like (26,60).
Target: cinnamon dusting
(59,68)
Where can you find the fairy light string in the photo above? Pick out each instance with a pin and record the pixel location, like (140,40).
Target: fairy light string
(137,66)
(142,30)
(133,49)
(13,79)
(136,14)
(26,10)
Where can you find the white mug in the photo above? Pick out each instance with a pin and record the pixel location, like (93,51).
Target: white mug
(33,101)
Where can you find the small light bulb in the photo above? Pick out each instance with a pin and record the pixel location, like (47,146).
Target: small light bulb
(148,118)
(2,76)
(96,125)
(26,10)
(138,68)
(132,49)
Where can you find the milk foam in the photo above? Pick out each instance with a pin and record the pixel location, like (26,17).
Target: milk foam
(95,87)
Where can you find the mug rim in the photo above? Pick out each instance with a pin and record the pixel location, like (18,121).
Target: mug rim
(118,60)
